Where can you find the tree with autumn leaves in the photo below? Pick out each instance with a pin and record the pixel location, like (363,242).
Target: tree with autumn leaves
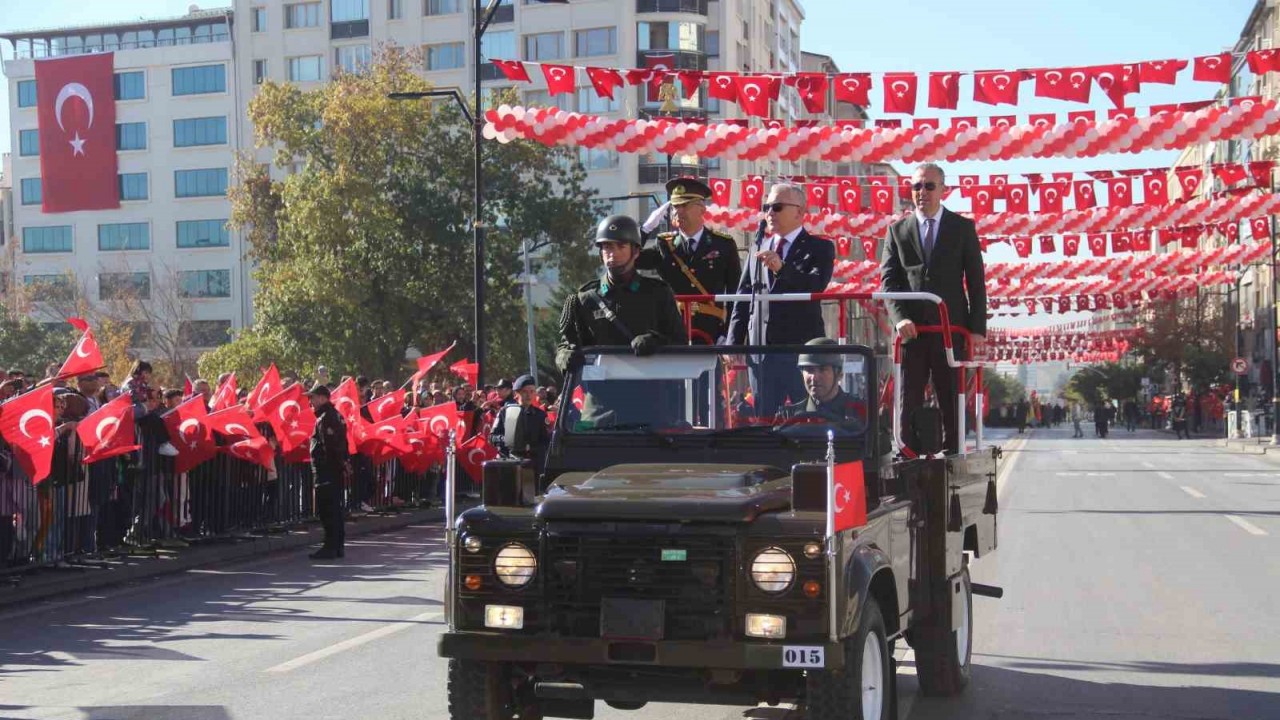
(362,237)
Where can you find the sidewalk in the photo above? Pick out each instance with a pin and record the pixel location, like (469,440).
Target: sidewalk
(45,583)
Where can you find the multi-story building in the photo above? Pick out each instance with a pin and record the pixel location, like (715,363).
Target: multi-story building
(165,256)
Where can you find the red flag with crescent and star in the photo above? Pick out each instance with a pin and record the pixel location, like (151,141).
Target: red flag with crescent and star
(26,422)
(234,422)
(189,431)
(850,496)
(472,455)
(225,396)
(267,386)
(76,115)
(283,408)
(85,357)
(108,431)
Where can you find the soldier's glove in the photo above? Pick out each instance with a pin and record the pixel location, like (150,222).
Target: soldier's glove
(570,360)
(646,344)
(655,218)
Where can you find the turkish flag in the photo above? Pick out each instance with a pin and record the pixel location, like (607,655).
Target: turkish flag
(1056,83)
(816,196)
(346,399)
(998,183)
(721,190)
(387,406)
(1164,72)
(1170,235)
(1050,197)
(560,79)
(850,195)
(1098,244)
(1190,182)
(439,419)
(1261,172)
(604,80)
(1230,173)
(385,440)
(1212,68)
(981,199)
(657,67)
(720,86)
(281,409)
(1003,121)
(812,88)
(850,508)
(472,455)
(1111,79)
(190,433)
(269,384)
(1231,230)
(755,92)
(26,422)
(869,248)
(882,200)
(967,182)
(900,93)
(84,358)
(1263,61)
(1154,190)
(1046,244)
(1046,120)
(944,90)
(999,87)
(843,246)
(1260,228)
(225,396)
(76,115)
(1070,245)
(233,422)
(426,362)
(752,192)
(1082,116)
(1140,241)
(964,123)
(108,431)
(1121,242)
(514,70)
(853,88)
(424,450)
(1016,198)
(1119,192)
(931,123)
(467,370)
(690,82)
(298,431)
(1023,246)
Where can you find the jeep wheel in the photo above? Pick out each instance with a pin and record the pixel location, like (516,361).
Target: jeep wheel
(943,654)
(861,690)
(484,691)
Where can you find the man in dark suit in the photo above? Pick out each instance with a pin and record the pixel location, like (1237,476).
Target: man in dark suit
(784,258)
(934,250)
(694,259)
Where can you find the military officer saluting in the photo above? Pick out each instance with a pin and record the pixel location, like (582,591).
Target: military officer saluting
(826,401)
(694,259)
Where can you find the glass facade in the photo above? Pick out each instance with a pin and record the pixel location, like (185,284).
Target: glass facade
(199,79)
(131,85)
(133,186)
(47,239)
(204,283)
(205,182)
(28,143)
(124,286)
(203,233)
(131,136)
(124,236)
(188,132)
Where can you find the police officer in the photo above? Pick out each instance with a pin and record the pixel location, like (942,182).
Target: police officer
(328,461)
(521,428)
(694,259)
(826,401)
(622,308)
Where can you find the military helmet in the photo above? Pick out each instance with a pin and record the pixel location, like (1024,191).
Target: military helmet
(618,228)
(815,358)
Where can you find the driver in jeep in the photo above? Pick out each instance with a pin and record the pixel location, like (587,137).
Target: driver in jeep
(827,401)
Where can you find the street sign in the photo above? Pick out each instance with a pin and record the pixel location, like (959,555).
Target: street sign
(1239,366)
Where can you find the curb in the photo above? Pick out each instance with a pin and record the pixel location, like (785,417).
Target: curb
(44,586)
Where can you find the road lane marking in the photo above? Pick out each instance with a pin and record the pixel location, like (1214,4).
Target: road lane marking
(1250,474)
(1002,477)
(1165,475)
(1246,525)
(356,641)
(1147,464)
(1085,474)
(1191,491)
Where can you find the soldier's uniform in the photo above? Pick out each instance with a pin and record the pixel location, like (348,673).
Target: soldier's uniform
(704,264)
(328,457)
(841,408)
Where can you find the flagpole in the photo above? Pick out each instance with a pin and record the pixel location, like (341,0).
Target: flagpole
(832,555)
(450,531)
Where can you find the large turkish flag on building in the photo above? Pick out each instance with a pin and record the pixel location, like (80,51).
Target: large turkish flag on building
(76,110)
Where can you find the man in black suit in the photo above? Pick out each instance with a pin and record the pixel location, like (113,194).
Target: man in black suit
(784,258)
(934,250)
(694,259)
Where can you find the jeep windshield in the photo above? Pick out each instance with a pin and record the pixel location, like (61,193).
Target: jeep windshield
(718,392)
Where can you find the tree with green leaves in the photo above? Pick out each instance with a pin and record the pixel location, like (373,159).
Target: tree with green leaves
(364,249)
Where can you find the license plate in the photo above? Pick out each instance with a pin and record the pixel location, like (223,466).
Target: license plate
(803,656)
(627,619)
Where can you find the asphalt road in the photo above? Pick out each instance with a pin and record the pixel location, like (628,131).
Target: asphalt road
(1141,577)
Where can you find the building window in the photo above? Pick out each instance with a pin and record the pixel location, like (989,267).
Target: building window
(124,236)
(140,333)
(26,93)
(302,15)
(542,98)
(189,132)
(259,71)
(204,284)
(28,142)
(498,45)
(131,136)
(544,46)
(205,182)
(203,233)
(596,41)
(31,193)
(48,239)
(306,69)
(133,186)
(671,36)
(598,158)
(49,287)
(348,10)
(713,43)
(443,7)
(395,9)
(130,85)
(259,16)
(590,102)
(447,56)
(204,333)
(200,79)
(124,286)
(352,58)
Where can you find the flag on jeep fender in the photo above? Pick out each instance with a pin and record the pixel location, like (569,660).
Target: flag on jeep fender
(850,506)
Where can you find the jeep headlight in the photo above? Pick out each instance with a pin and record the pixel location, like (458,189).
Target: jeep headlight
(515,565)
(773,570)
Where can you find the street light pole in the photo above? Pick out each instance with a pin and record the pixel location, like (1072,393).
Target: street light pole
(1275,335)
(482,17)
(528,280)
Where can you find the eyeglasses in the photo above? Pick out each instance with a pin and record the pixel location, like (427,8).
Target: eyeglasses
(930,186)
(777,207)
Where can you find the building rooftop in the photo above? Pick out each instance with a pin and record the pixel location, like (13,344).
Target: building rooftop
(193,14)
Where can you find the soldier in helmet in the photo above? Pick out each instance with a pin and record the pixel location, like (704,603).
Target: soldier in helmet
(694,259)
(622,308)
(826,401)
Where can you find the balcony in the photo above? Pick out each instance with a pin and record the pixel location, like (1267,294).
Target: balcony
(682,60)
(349,29)
(659,174)
(693,7)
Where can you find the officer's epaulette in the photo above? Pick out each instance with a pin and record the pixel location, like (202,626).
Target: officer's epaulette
(719,234)
(589,286)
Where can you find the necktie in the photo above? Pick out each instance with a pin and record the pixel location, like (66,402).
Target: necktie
(780,246)
(928,239)
(689,245)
